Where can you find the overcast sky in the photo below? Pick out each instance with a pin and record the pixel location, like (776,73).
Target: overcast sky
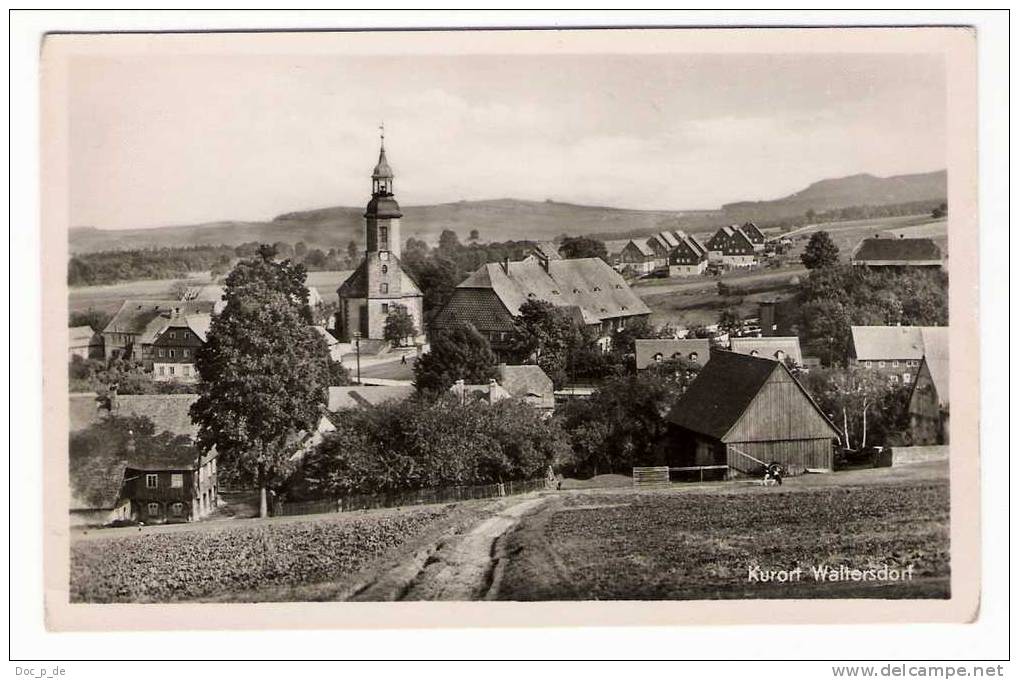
(159,140)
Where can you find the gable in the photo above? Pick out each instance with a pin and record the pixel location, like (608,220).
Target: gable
(781,410)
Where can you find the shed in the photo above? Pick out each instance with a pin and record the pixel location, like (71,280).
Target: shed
(744,410)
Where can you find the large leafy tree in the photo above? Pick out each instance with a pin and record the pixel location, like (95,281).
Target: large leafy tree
(457,353)
(820,252)
(399,325)
(548,336)
(265,372)
(864,405)
(574,247)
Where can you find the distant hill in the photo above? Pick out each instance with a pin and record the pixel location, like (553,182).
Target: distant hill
(505,219)
(844,192)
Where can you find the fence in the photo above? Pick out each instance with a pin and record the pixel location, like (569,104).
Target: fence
(453,494)
(650,477)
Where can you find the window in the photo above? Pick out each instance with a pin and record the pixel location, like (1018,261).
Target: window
(171,353)
(907,378)
(187,334)
(894,379)
(880,364)
(187,369)
(895,363)
(177,509)
(173,335)
(162,370)
(385,308)
(153,509)
(171,370)
(384,256)
(754,352)
(385,269)
(693,356)
(384,234)
(162,352)
(151,481)
(658,357)
(176,480)
(384,288)
(183,352)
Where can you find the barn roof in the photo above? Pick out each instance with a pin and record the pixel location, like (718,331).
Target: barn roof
(897,250)
(528,382)
(768,346)
(646,350)
(366,395)
(724,389)
(879,343)
(642,247)
(82,336)
(589,284)
(134,316)
(168,412)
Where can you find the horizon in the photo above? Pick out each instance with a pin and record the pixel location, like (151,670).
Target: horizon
(159,141)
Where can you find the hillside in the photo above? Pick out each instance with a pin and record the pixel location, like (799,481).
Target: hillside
(844,192)
(505,219)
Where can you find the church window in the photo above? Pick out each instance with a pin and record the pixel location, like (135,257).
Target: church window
(384,234)
(385,269)
(384,256)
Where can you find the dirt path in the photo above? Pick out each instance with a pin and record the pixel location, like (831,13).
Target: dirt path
(462,566)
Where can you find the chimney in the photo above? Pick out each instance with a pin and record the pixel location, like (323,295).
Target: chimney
(505,265)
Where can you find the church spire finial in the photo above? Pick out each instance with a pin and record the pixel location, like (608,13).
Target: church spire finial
(382,135)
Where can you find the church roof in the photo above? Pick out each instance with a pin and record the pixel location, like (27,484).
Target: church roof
(383,206)
(356,285)
(382,169)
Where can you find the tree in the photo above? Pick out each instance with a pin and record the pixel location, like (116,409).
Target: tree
(352,251)
(729,321)
(548,336)
(811,216)
(474,235)
(820,252)
(449,242)
(863,404)
(92,318)
(265,372)
(457,353)
(283,249)
(300,249)
(315,258)
(581,246)
(399,325)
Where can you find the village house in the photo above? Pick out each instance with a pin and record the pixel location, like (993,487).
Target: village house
(84,343)
(528,383)
(175,484)
(380,282)
(756,236)
(929,401)
(490,392)
(637,257)
(688,258)
(745,412)
(491,297)
(139,320)
(661,249)
(732,247)
(170,343)
(896,252)
(896,351)
(650,352)
(775,347)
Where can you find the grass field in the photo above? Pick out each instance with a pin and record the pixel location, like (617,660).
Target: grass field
(109,298)
(232,559)
(702,543)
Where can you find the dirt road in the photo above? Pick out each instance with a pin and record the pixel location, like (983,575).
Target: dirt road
(456,567)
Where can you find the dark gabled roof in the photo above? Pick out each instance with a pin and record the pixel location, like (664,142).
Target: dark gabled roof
(642,248)
(753,232)
(480,307)
(645,350)
(134,316)
(589,284)
(724,389)
(721,393)
(897,249)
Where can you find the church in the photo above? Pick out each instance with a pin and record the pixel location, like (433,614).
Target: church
(379,283)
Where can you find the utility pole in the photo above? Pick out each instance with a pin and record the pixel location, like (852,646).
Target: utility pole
(357,349)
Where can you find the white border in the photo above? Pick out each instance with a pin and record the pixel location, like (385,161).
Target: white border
(985,639)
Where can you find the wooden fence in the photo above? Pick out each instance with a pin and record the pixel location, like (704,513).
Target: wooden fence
(650,477)
(453,494)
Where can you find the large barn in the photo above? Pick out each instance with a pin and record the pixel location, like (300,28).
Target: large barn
(744,410)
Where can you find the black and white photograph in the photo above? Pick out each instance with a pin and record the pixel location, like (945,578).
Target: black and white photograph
(368,317)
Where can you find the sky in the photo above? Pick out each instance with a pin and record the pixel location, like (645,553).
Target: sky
(161,140)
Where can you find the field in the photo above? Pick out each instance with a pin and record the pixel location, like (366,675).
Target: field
(702,544)
(108,298)
(233,558)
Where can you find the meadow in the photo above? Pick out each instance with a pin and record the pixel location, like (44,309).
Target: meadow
(702,544)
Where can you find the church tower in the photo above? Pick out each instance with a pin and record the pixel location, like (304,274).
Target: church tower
(379,283)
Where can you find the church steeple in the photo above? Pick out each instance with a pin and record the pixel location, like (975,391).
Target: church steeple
(382,175)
